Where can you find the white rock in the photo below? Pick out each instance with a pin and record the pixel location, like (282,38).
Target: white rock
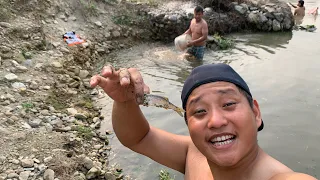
(98,23)
(11,77)
(18,85)
(47,159)
(83,74)
(56,64)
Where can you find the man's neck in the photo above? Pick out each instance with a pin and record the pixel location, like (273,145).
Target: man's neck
(199,21)
(242,170)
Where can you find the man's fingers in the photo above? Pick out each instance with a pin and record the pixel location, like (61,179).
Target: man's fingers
(124,77)
(146,89)
(98,81)
(94,81)
(108,71)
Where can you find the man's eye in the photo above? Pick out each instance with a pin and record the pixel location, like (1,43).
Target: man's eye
(200,111)
(229,104)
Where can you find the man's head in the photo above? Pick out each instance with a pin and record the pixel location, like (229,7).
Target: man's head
(300,3)
(221,115)
(198,13)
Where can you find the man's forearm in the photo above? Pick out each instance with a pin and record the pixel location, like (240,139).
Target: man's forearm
(292,5)
(129,123)
(187,31)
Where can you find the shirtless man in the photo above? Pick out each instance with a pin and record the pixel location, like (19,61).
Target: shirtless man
(223,121)
(198,30)
(299,9)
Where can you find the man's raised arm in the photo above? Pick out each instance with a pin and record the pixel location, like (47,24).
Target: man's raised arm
(126,88)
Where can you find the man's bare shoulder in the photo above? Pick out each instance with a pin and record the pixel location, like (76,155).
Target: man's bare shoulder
(292,176)
(204,22)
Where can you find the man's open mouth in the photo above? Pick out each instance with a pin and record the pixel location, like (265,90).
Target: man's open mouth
(223,140)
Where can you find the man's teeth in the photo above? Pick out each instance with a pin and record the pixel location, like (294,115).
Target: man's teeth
(221,140)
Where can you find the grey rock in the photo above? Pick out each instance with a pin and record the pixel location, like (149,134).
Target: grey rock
(13,175)
(27,163)
(33,85)
(79,176)
(279,16)
(240,9)
(3,176)
(74,84)
(93,173)
(48,127)
(56,64)
(173,18)
(63,49)
(87,163)
(5,24)
(80,116)
(47,159)
(21,69)
(72,18)
(35,123)
(24,175)
(109,176)
(287,23)
(116,34)
(83,74)
(45,112)
(48,174)
(276,26)
(57,123)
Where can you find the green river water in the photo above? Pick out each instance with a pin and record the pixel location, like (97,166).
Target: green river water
(282,71)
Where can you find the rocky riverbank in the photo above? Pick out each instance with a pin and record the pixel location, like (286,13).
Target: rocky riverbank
(172,18)
(49,122)
(49,119)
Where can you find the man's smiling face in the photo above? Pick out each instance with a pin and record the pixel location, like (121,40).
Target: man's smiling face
(221,122)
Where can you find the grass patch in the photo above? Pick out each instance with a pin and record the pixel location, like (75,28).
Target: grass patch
(84,132)
(222,42)
(122,20)
(89,7)
(85,102)
(5,13)
(57,100)
(27,106)
(165,175)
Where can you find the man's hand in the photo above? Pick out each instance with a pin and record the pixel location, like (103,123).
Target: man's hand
(190,43)
(122,85)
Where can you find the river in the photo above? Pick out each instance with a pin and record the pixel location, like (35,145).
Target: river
(282,71)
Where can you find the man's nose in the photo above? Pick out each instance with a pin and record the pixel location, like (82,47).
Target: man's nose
(217,120)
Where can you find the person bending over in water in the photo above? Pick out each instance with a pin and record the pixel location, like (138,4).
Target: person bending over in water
(299,9)
(198,30)
(223,121)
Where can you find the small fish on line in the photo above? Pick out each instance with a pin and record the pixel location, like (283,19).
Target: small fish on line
(162,102)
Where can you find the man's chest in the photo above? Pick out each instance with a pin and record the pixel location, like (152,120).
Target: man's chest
(196,28)
(197,167)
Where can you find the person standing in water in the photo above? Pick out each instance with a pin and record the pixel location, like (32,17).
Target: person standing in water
(198,30)
(299,9)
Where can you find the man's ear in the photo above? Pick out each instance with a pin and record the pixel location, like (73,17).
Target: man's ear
(257,113)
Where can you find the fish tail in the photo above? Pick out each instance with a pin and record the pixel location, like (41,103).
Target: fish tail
(179,111)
